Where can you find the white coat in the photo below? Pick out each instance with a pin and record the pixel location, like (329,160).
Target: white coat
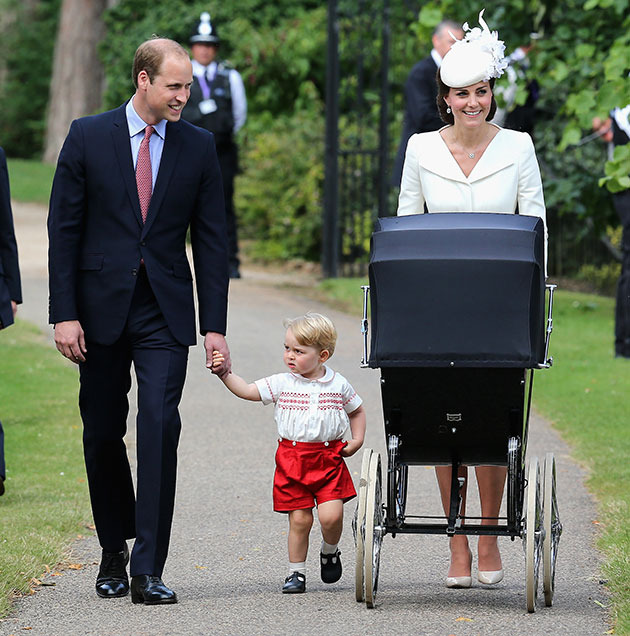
(506,176)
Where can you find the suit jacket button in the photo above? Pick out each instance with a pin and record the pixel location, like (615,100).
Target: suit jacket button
(134,272)
(143,243)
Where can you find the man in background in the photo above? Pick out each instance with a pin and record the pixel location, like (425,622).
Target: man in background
(10,287)
(616,131)
(421,113)
(217,103)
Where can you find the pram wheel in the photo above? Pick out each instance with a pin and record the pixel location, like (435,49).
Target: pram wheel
(532,535)
(397,475)
(358,526)
(374,529)
(552,527)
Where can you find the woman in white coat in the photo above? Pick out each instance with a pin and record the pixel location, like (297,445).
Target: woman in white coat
(472,165)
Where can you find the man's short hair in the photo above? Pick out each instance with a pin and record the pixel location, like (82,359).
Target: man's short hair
(447,25)
(150,55)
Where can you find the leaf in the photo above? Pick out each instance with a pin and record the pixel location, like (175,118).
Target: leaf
(75,566)
(572,134)
(462,619)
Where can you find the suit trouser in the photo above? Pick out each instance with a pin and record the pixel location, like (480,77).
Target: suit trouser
(160,365)
(228,162)
(622,310)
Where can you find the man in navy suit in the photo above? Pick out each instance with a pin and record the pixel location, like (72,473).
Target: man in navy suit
(10,287)
(421,113)
(128,186)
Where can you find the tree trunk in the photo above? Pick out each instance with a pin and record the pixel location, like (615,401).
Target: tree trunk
(76,88)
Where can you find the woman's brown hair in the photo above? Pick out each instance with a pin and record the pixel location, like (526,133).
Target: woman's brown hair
(443,90)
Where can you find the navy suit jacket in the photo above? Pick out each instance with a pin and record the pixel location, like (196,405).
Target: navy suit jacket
(10,286)
(421,113)
(97,238)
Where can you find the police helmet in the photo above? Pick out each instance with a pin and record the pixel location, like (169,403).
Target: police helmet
(205,32)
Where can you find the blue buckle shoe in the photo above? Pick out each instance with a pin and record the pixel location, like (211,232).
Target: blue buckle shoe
(294,584)
(330,566)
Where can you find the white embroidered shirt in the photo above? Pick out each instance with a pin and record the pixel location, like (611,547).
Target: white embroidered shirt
(310,410)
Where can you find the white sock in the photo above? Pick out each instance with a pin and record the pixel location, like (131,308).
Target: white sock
(328,548)
(297,567)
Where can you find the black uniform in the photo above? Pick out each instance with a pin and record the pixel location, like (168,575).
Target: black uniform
(221,123)
(622,311)
(421,113)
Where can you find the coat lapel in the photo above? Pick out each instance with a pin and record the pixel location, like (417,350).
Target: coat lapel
(122,146)
(172,144)
(498,156)
(436,157)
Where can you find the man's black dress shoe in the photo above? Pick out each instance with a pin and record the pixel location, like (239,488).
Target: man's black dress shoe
(150,590)
(1,486)
(112,580)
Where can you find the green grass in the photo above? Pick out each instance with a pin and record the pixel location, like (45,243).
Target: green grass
(30,180)
(586,396)
(344,293)
(46,502)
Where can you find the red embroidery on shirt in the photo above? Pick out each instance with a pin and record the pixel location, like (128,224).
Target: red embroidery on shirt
(328,401)
(273,399)
(293,401)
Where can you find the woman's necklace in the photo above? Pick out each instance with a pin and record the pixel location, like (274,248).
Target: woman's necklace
(479,148)
(471,155)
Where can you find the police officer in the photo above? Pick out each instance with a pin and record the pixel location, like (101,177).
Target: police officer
(218,104)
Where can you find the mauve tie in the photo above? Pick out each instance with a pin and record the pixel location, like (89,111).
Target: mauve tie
(144,175)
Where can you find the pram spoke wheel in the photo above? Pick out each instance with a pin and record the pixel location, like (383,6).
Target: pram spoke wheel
(374,529)
(552,527)
(358,526)
(532,535)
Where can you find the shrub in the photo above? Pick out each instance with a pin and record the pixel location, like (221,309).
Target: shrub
(278,194)
(603,278)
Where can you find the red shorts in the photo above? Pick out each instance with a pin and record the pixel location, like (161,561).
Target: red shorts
(310,472)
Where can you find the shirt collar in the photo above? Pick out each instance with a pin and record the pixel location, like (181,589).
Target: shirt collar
(622,117)
(437,58)
(137,124)
(200,69)
(329,374)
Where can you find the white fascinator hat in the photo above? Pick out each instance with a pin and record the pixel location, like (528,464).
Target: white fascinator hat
(477,57)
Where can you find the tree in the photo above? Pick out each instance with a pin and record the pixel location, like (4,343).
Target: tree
(27,33)
(78,77)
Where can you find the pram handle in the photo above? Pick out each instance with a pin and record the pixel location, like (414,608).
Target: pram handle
(548,360)
(365,325)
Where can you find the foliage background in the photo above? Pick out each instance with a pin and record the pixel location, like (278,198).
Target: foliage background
(581,62)
(27,39)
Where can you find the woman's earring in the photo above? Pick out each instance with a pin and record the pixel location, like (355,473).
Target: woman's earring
(448,110)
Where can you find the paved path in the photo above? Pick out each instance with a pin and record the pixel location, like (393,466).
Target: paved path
(228,551)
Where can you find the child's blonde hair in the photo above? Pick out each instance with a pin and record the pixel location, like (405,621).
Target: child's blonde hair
(313,330)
